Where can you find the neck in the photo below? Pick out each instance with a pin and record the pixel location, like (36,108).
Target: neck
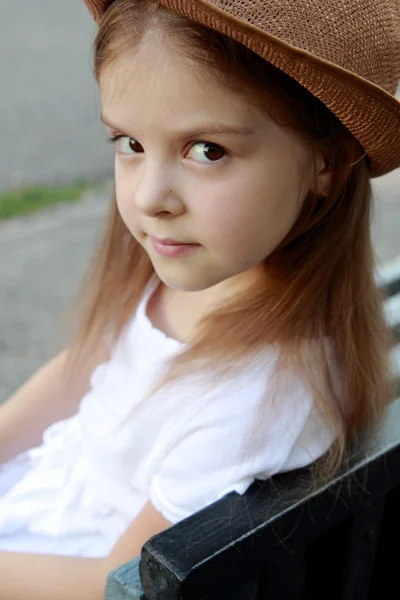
(177,312)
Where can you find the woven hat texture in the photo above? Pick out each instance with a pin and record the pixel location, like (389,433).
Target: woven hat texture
(345,52)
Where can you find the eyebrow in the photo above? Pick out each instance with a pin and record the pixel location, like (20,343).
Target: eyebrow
(206,128)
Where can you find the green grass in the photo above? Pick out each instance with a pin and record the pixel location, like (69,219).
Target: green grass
(29,200)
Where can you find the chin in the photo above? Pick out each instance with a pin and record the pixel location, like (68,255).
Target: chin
(188,281)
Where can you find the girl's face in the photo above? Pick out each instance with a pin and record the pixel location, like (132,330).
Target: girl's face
(197,164)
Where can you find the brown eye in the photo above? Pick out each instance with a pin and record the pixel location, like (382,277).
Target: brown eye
(213,152)
(134,145)
(207,152)
(128,145)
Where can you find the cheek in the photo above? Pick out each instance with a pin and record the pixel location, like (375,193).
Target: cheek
(125,204)
(250,216)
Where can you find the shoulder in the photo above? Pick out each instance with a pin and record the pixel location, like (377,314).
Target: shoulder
(241,430)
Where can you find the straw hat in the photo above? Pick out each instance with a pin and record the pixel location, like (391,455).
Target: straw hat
(345,52)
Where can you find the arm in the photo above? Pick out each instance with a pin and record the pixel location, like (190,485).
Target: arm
(45,577)
(48,396)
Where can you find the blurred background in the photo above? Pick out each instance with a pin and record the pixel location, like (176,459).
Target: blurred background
(50,129)
(50,136)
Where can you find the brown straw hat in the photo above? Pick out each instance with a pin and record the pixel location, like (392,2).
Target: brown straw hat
(345,52)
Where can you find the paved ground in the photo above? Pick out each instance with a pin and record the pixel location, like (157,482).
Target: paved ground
(43,258)
(41,262)
(49,124)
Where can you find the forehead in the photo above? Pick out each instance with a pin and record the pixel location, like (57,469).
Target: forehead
(160,83)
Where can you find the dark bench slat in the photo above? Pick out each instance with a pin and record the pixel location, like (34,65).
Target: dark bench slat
(361,550)
(285,581)
(337,567)
(385,577)
(392,288)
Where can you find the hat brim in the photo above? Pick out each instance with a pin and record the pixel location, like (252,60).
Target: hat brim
(369,112)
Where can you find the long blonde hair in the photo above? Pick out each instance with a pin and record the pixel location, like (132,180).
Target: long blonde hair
(319,282)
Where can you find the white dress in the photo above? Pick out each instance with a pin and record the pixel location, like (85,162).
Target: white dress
(186,447)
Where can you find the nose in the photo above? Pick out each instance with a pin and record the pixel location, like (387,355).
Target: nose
(157,189)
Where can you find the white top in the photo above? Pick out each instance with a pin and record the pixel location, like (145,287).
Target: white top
(183,449)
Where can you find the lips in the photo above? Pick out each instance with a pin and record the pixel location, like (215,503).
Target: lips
(170,242)
(170,248)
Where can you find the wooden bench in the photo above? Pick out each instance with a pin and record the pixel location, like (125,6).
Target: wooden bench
(338,543)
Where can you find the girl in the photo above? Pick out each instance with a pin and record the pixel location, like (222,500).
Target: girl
(231,326)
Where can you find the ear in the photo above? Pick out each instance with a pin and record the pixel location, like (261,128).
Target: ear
(324,175)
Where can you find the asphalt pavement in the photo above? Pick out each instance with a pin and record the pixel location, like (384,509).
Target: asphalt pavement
(42,260)
(50,127)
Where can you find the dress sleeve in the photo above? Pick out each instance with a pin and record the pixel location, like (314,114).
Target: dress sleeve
(239,436)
